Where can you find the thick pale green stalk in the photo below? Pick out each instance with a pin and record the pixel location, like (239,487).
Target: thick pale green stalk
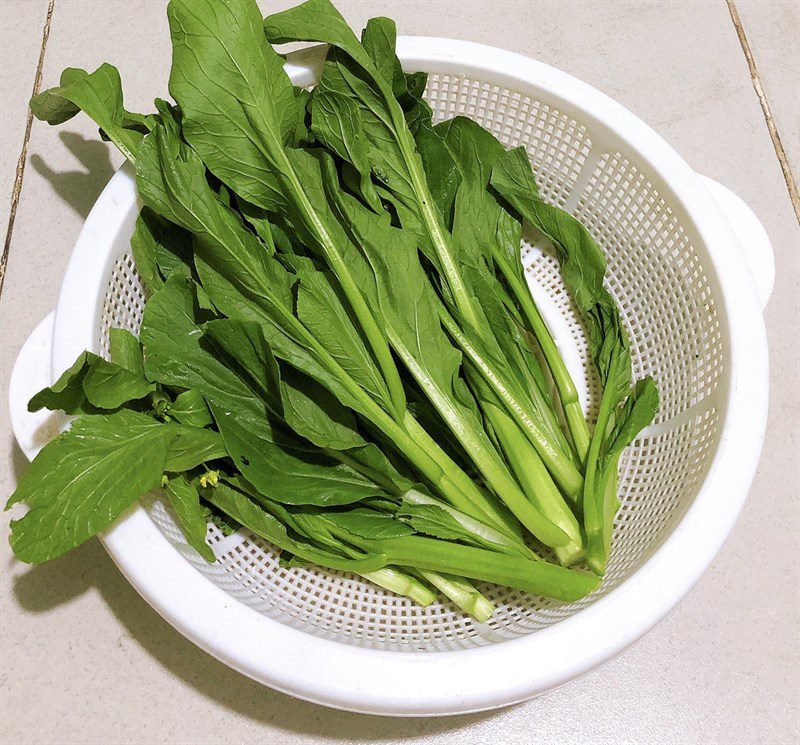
(594,492)
(462,593)
(538,577)
(536,482)
(402,583)
(504,485)
(559,464)
(567,393)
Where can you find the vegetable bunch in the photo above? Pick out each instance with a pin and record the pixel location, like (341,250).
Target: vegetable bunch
(339,351)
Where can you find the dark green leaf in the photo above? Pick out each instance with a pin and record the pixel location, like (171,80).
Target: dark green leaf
(191,446)
(66,393)
(100,96)
(277,464)
(226,524)
(84,479)
(191,516)
(91,383)
(238,113)
(190,408)
(108,386)
(126,351)
(314,413)
(253,517)
(159,248)
(336,122)
(378,39)
(323,312)
(369,523)
(239,107)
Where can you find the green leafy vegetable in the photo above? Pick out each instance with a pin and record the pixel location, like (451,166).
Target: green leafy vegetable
(583,268)
(336,351)
(190,408)
(82,481)
(92,383)
(99,94)
(185,501)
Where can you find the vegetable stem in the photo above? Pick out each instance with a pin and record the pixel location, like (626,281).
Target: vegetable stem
(537,482)
(481,505)
(567,393)
(539,577)
(560,465)
(402,583)
(366,319)
(462,593)
(593,493)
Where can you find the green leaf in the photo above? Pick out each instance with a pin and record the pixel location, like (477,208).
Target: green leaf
(245,345)
(433,520)
(108,386)
(82,481)
(372,461)
(335,121)
(480,223)
(191,516)
(350,71)
(143,247)
(256,519)
(99,94)
(305,405)
(323,312)
(432,517)
(126,351)
(241,278)
(159,248)
(379,39)
(638,411)
(259,219)
(191,446)
(273,460)
(50,106)
(91,383)
(583,264)
(440,169)
(190,408)
(238,113)
(226,524)
(239,107)
(369,523)
(66,393)
(314,413)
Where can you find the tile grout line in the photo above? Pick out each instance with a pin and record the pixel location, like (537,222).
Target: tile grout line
(17,189)
(780,152)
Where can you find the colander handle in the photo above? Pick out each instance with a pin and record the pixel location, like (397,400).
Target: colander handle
(753,239)
(31,373)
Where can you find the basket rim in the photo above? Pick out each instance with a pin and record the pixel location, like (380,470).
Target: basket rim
(458,681)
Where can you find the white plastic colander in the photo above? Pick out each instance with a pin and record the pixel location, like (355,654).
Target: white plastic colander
(690,267)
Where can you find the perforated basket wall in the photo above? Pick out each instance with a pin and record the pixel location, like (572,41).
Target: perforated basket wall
(664,296)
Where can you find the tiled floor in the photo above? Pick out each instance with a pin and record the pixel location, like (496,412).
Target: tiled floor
(85,660)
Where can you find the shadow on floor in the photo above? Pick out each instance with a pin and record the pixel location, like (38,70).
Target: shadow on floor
(46,586)
(79,189)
